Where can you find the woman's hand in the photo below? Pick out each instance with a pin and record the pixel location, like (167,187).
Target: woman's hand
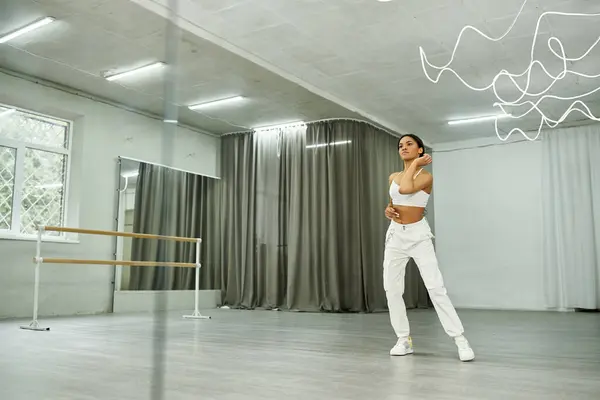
(422,161)
(390,213)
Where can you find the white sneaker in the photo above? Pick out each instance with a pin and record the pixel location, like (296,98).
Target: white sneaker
(402,347)
(465,352)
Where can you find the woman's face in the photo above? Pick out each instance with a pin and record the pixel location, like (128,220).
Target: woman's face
(409,149)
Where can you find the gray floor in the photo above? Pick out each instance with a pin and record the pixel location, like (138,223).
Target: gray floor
(276,355)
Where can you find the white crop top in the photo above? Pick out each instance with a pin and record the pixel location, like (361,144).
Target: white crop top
(417,199)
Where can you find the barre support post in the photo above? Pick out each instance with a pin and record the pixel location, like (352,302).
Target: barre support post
(34,325)
(196,314)
(39,260)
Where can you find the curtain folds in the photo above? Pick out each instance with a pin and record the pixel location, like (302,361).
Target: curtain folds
(571,217)
(171,202)
(296,221)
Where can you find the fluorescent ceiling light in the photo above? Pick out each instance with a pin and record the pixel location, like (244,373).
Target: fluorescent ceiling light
(280,126)
(26,29)
(314,146)
(216,102)
(134,71)
(170,121)
(7,112)
(130,174)
(478,119)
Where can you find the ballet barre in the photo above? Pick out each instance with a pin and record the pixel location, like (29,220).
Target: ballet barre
(39,260)
(115,233)
(115,262)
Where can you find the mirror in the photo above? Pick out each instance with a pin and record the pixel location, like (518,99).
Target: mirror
(128,174)
(158,200)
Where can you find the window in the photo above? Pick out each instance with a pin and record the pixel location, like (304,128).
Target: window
(34,159)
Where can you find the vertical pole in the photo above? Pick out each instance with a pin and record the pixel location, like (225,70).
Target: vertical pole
(197,290)
(171,108)
(196,314)
(34,325)
(38,262)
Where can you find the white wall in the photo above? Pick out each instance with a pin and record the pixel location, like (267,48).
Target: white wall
(101,134)
(489,223)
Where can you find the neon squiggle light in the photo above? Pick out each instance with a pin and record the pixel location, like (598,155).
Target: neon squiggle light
(577,104)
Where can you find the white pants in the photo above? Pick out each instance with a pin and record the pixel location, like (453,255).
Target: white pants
(403,242)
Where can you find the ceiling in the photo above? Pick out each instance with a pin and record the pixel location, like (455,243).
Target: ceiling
(364,54)
(94,37)
(309,59)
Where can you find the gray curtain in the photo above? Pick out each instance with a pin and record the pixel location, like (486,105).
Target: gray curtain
(239,276)
(296,221)
(170,202)
(571,217)
(306,226)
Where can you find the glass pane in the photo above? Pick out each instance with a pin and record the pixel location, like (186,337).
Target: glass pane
(7,185)
(43,190)
(33,129)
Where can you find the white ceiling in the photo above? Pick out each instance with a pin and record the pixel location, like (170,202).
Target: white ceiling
(364,53)
(92,37)
(306,59)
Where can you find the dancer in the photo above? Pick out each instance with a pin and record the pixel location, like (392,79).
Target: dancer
(409,235)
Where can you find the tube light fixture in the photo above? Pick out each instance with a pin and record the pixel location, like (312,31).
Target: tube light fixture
(314,146)
(27,28)
(9,111)
(478,119)
(170,121)
(125,74)
(216,102)
(280,126)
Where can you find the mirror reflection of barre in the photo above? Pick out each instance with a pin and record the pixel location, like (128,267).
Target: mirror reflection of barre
(38,260)
(157,199)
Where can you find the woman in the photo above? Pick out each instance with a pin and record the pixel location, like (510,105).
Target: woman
(409,236)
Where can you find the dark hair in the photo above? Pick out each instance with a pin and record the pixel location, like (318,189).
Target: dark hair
(416,139)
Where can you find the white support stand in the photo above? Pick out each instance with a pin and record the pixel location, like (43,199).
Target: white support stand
(196,314)
(34,325)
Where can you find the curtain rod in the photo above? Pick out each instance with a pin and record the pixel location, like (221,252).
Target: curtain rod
(396,134)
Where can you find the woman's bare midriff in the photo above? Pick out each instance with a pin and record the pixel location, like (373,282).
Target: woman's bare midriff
(408,215)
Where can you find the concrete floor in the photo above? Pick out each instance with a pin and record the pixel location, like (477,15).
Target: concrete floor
(278,355)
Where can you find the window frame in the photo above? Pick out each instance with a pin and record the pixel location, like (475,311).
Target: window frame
(20,148)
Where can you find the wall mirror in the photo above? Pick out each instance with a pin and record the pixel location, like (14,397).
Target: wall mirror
(159,200)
